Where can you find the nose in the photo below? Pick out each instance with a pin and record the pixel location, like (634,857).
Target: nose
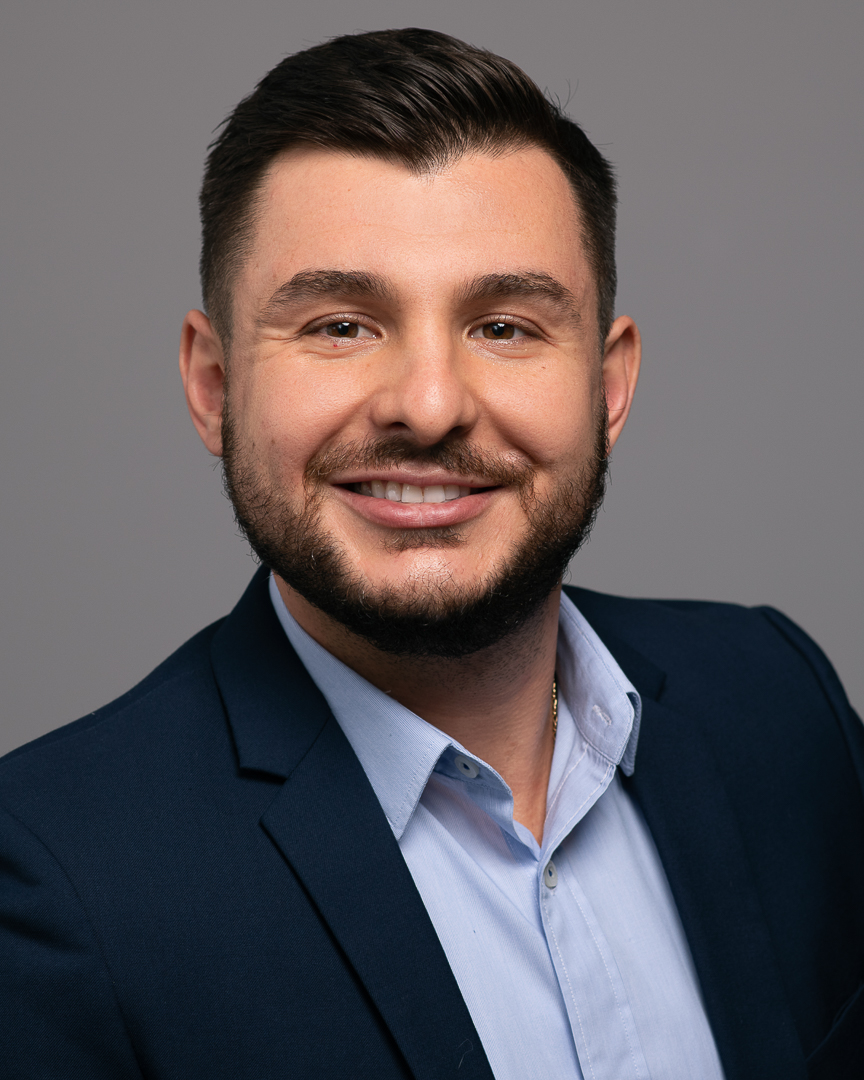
(426,393)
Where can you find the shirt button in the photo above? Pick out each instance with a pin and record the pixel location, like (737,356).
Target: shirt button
(466,766)
(550,875)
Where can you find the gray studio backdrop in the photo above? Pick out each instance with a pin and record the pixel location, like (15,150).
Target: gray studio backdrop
(737,132)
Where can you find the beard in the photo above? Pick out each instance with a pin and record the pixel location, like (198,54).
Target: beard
(430,616)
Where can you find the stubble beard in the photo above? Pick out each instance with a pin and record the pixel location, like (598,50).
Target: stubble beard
(430,616)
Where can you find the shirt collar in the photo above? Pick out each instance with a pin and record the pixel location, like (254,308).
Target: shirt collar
(399,750)
(605,705)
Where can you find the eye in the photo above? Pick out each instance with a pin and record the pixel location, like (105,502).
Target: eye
(498,330)
(346,328)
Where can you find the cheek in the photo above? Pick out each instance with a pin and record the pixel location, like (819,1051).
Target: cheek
(552,421)
(289,419)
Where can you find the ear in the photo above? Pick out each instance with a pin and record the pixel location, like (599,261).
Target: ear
(202,368)
(622,356)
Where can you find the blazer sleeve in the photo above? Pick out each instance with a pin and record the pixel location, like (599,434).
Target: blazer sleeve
(59,1018)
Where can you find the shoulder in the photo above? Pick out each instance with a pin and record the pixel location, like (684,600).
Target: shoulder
(116,746)
(672,619)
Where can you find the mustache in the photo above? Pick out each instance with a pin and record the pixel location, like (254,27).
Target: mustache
(451,454)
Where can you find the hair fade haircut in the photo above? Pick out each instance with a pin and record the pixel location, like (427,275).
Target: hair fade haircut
(415,97)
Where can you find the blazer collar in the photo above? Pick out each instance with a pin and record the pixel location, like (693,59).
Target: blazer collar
(329,826)
(275,710)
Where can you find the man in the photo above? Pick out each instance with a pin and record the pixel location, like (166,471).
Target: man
(410,810)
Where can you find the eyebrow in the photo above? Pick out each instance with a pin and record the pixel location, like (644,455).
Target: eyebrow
(306,285)
(529,285)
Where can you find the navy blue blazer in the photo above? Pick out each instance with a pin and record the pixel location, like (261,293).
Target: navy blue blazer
(198,881)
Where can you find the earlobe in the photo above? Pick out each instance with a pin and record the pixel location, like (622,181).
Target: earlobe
(622,357)
(202,368)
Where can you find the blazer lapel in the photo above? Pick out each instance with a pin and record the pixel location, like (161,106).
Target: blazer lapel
(687,808)
(329,826)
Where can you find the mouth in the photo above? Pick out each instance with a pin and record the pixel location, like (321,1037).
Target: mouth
(394,504)
(393,491)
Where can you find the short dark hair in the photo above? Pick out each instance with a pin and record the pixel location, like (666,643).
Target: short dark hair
(416,97)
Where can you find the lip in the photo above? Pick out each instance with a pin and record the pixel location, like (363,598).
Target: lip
(395,515)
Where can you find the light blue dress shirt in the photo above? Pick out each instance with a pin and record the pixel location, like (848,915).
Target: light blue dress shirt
(570,956)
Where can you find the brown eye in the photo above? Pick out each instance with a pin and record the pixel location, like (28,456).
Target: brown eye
(342,329)
(498,330)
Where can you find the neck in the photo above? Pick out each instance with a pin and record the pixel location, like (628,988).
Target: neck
(496,702)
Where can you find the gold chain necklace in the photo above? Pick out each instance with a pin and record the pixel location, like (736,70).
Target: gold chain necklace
(554,707)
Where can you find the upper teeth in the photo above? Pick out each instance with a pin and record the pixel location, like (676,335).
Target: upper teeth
(411,493)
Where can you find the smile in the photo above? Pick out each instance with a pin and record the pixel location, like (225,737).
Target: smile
(410,493)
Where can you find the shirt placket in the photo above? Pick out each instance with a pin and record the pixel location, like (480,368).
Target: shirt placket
(588,977)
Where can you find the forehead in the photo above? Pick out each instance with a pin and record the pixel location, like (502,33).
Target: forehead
(425,233)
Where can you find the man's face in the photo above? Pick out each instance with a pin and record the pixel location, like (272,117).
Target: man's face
(415,413)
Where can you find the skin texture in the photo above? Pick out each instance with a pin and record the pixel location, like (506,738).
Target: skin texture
(421,356)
